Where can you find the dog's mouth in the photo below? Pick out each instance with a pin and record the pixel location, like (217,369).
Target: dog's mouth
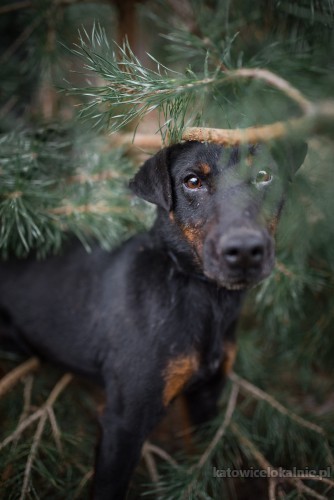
(235,284)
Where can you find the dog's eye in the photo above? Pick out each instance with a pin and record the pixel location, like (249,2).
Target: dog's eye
(192,182)
(263,177)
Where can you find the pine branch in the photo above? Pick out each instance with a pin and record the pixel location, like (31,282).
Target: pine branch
(271,79)
(21,428)
(272,472)
(259,394)
(42,413)
(317,120)
(55,393)
(141,91)
(52,187)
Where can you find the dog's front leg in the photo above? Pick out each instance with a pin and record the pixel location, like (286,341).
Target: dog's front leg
(117,455)
(124,431)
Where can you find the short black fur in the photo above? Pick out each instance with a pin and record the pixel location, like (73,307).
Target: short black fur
(156,316)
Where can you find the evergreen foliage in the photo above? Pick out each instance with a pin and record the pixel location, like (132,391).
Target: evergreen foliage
(63,181)
(56,184)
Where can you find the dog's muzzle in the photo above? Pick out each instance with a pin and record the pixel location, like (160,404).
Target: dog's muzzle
(239,258)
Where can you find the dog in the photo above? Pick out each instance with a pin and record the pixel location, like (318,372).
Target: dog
(156,317)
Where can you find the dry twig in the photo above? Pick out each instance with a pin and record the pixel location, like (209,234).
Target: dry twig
(161,453)
(25,4)
(55,429)
(222,429)
(150,464)
(272,472)
(21,428)
(87,477)
(57,390)
(259,394)
(217,437)
(315,119)
(28,384)
(9,380)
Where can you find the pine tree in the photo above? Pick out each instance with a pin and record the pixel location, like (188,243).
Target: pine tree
(220,64)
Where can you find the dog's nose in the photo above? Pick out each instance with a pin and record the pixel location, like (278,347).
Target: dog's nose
(243,250)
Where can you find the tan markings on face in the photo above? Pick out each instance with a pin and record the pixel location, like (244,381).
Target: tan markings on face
(177,373)
(171,216)
(229,355)
(205,168)
(194,237)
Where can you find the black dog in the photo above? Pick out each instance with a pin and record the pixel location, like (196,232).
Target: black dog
(156,316)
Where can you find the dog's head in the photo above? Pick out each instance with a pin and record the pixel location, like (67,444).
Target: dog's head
(223,203)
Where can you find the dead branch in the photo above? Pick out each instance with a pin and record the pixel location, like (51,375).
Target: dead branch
(28,385)
(15,6)
(217,437)
(21,428)
(161,453)
(9,380)
(140,141)
(317,120)
(55,429)
(284,270)
(150,464)
(99,208)
(272,472)
(255,452)
(272,489)
(29,3)
(83,178)
(222,429)
(262,395)
(32,455)
(57,390)
(273,80)
(87,477)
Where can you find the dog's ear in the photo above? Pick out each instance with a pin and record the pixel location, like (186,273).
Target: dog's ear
(289,155)
(152,182)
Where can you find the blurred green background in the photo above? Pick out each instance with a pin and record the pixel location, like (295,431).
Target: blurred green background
(61,174)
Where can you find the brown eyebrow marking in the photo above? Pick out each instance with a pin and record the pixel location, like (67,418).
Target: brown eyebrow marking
(205,168)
